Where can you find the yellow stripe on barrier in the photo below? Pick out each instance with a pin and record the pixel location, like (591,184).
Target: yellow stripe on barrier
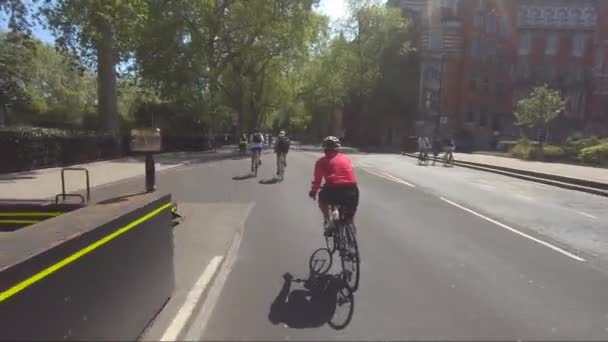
(31,214)
(18,221)
(54,268)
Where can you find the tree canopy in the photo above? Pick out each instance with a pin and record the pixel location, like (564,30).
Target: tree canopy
(210,64)
(539,109)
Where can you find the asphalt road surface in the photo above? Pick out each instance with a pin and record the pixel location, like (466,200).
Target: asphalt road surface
(447,253)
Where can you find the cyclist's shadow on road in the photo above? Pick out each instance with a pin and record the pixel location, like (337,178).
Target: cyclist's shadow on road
(323,299)
(244,177)
(273,180)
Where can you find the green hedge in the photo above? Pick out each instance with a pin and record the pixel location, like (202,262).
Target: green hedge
(521,149)
(597,154)
(33,148)
(550,153)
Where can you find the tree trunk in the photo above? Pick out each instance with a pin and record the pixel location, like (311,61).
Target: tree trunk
(106,81)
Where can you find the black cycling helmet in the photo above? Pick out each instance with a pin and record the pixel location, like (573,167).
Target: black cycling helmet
(331,143)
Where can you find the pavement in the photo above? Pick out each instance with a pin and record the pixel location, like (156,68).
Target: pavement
(447,253)
(46,183)
(596,174)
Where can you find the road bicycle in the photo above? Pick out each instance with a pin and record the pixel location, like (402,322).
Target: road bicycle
(343,239)
(448,157)
(345,299)
(256,161)
(281,165)
(423,158)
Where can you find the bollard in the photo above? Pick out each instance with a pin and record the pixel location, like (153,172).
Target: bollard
(150,173)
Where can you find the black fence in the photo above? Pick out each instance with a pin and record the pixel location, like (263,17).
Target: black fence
(35,149)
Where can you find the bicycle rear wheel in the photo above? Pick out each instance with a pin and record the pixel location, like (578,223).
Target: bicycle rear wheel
(345,307)
(350,257)
(256,163)
(281,166)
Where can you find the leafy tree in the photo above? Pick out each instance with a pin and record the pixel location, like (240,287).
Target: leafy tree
(16,52)
(219,57)
(17,11)
(538,110)
(102,33)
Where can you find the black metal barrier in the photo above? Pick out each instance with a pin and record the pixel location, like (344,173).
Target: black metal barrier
(97,273)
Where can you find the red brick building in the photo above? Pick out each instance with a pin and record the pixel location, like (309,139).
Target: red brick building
(478,57)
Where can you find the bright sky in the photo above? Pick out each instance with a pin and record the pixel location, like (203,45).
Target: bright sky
(335,9)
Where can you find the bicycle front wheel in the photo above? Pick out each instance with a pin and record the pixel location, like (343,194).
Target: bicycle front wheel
(350,257)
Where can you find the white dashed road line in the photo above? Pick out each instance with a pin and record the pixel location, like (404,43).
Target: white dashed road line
(546,244)
(389,177)
(587,215)
(192,299)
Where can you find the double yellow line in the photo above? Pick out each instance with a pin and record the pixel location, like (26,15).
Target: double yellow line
(79,254)
(13,218)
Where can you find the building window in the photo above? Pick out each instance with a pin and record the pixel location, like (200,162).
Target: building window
(470,113)
(577,17)
(501,61)
(491,24)
(563,16)
(524,43)
(537,16)
(552,45)
(435,40)
(500,89)
(475,48)
(550,16)
(486,85)
(578,46)
(478,21)
(472,82)
(489,51)
(523,69)
(451,5)
(577,71)
(483,119)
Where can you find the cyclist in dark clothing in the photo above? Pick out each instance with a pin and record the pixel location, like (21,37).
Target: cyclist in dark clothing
(281,148)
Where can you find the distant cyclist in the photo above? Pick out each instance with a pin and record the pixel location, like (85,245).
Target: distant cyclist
(243,143)
(340,186)
(256,146)
(281,148)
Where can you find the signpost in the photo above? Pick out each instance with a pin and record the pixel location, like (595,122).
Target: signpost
(147,141)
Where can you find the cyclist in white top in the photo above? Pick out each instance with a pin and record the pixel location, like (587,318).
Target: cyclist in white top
(256,144)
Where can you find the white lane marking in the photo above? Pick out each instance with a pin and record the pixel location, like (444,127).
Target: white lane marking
(398,180)
(197,329)
(546,244)
(389,177)
(587,215)
(184,313)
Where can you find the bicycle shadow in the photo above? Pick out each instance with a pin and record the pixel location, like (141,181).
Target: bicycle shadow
(273,180)
(321,299)
(244,177)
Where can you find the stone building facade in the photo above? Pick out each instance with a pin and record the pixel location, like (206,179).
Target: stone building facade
(479,57)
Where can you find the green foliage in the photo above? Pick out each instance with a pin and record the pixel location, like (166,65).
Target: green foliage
(17,11)
(521,149)
(550,153)
(540,108)
(42,85)
(597,154)
(79,24)
(16,53)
